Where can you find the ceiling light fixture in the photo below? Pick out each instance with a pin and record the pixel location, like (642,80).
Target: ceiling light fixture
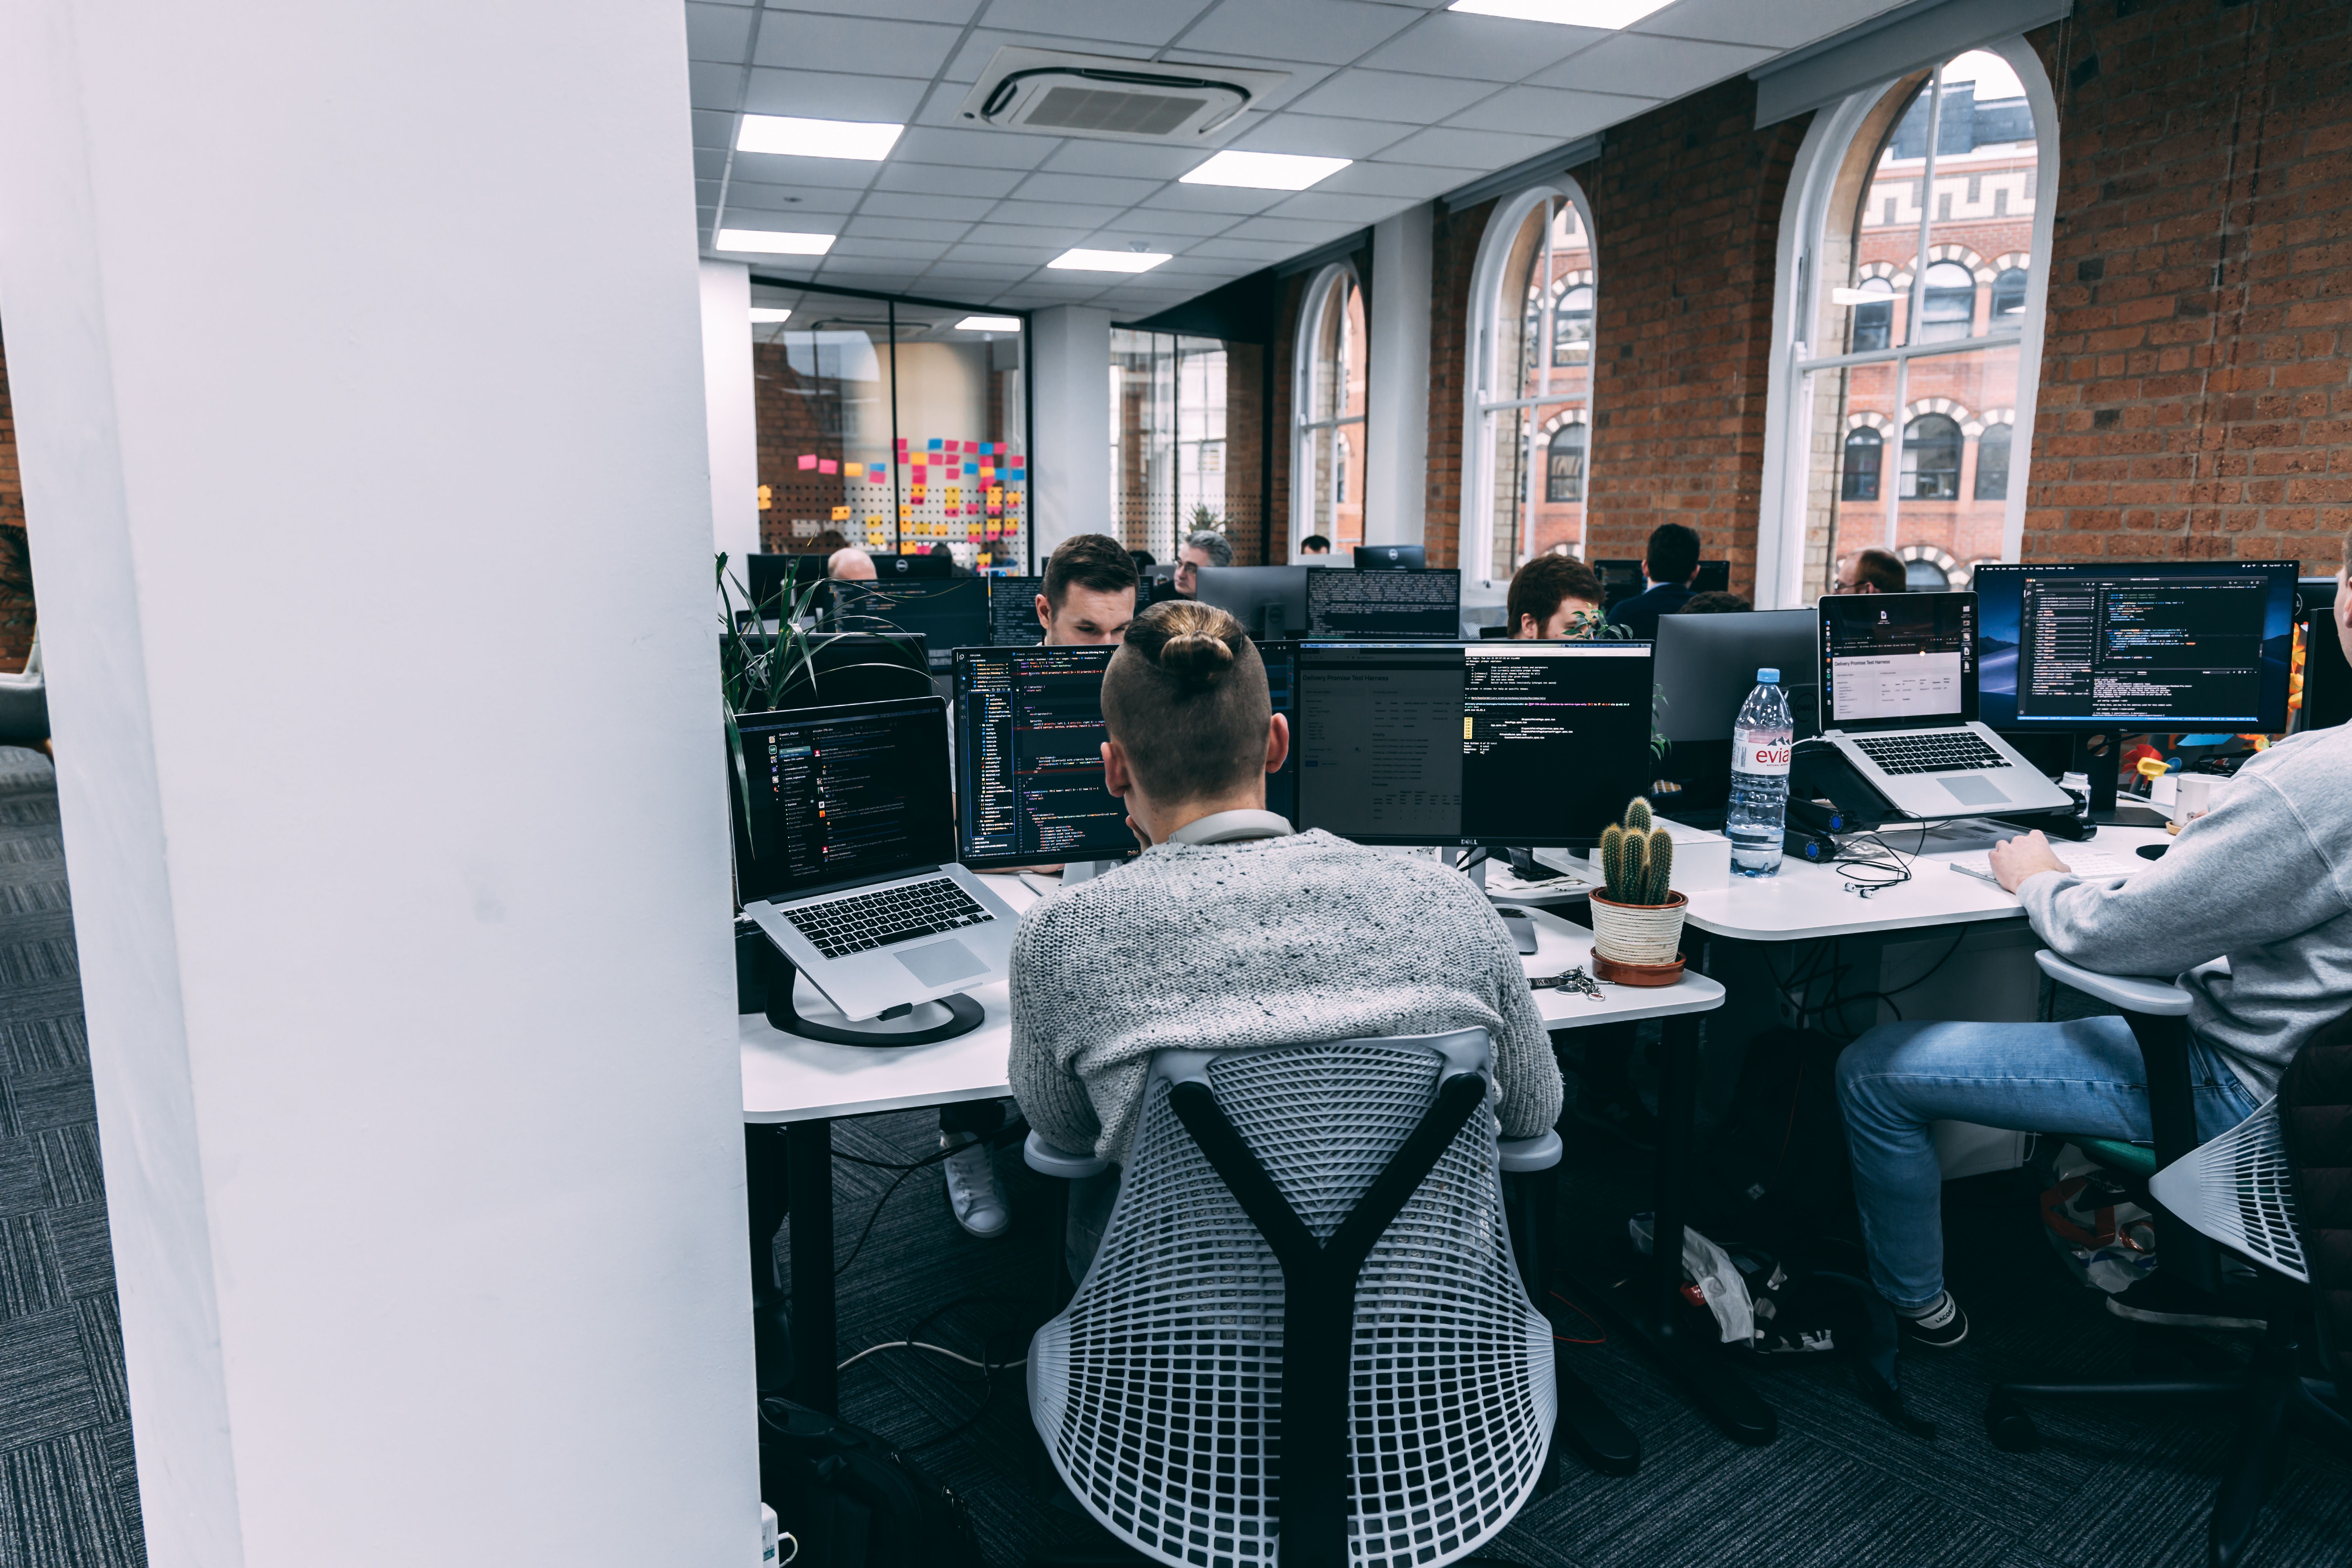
(769,315)
(989,324)
(772,242)
(1567,13)
(1263,171)
(867,141)
(1108,260)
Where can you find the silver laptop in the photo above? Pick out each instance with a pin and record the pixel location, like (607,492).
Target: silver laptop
(847,857)
(1899,701)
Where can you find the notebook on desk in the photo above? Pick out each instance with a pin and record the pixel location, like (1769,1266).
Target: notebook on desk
(2091,863)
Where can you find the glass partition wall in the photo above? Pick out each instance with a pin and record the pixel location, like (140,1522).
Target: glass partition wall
(1171,457)
(899,425)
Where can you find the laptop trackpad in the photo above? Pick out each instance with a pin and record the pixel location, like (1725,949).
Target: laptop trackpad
(936,963)
(1969,789)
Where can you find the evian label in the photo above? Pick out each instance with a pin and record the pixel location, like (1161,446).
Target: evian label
(1750,755)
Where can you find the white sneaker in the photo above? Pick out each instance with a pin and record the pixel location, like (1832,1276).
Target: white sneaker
(972,1191)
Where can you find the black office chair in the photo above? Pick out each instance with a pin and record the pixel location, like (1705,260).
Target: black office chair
(2235,1189)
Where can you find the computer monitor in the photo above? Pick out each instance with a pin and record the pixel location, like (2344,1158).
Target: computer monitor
(2326,679)
(886,567)
(1707,666)
(1029,774)
(2175,645)
(1891,661)
(1250,593)
(1713,577)
(1013,612)
(1391,557)
(768,577)
(1513,743)
(948,613)
(840,793)
(1388,607)
(1282,688)
(1620,581)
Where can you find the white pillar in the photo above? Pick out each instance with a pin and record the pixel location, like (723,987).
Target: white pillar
(727,389)
(1069,347)
(372,522)
(1396,400)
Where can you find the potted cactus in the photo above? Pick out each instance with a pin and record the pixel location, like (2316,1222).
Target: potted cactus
(1637,924)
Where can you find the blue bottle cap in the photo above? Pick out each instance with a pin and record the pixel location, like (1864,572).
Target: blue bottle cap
(1768,677)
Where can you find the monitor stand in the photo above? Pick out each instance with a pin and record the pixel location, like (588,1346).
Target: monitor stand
(916,1024)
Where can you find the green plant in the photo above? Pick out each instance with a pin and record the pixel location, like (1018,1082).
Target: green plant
(1637,861)
(1203,518)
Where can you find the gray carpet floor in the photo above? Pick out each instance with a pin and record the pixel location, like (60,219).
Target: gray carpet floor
(2111,1486)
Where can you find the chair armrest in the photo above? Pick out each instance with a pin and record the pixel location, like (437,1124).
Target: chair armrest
(1047,1160)
(1540,1153)
(2132,993)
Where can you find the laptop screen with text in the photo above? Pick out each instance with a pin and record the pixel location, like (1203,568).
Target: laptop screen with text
(1897,660)
(856,793)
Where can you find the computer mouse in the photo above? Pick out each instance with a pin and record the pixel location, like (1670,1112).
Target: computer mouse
(1522,930)
(2152,851)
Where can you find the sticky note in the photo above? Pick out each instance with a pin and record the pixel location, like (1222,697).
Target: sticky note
(841,514)
(767,497)
(936,443)
(827,465)
(808,461)
(915,490)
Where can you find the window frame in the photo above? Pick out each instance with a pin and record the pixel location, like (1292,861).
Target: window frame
(1304,356)
(1797,288)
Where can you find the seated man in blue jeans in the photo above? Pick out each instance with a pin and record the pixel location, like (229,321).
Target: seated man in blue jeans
(2251,908)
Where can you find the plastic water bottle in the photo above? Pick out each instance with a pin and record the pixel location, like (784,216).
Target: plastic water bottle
(1762,738)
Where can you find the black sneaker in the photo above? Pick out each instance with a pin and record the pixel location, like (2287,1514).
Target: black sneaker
(1621,1113)
(2172,1302)
(1941,1328)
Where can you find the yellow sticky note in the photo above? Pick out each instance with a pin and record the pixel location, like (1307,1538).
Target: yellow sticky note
(841,514)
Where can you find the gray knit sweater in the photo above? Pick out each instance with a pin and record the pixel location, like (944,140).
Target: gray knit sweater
(1270,941)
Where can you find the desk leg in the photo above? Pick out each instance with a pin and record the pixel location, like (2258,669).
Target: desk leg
(1586,1424)
(767,1190)
(809,1160)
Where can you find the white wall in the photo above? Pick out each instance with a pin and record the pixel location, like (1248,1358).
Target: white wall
(727,394)
(372,521)
(1070,489)
(1396,394)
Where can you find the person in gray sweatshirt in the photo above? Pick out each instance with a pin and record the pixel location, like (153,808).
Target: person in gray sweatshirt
(2250,908)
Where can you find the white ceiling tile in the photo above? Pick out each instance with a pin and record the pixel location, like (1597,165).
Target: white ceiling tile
(1056,215)
(1548,112)
(877,227)
(710,162)
(943,180)
(1244,249)
(870,45)
(1054,238)
(990,245)
(1098,190)
(827,174)
(712,86)
(1322,206)
(955,269)
(957,12)
(1657,68)
(1161,223)
(1212,199)
(1484,150)
(714,127)
(1414,181)
(1295,229)
(1331,31)
(1153,22)
(716,32)
(1319,136)
(830,95)
(1481,49)
(754,197)
(849,246)
(1784,23)
(938,208)
(1299,76)
(1397,97)
(1129,159)
(706,194)
(975,149)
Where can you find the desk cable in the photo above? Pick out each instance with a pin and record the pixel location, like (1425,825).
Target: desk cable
(1871,865)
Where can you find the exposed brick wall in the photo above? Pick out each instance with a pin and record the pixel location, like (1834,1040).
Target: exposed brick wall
(1278,427)
(2196,396)
(1455,236)
(16,582)
(1245,449)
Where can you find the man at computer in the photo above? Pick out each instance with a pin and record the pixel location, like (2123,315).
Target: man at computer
(1089,591)
(2250,907)
(1232,928)
(850,565)
(1314,544)
(1206,547)
(1668,565)
(1873,572)
(1555,598)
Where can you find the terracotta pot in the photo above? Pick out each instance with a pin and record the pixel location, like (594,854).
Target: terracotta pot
(1638,933)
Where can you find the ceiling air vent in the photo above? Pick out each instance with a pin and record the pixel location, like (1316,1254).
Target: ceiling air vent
(1055,94)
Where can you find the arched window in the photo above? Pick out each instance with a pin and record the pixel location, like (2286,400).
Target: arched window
(1992,464)
(1327,465)
(1532,348)
(1865,450)
(1931,458)
(1921,576)
(1564,465)
(1898,190)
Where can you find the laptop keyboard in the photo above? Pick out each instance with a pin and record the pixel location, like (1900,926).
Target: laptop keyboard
(1944,751)
(840,927)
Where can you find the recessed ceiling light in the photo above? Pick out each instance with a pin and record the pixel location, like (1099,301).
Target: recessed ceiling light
(772,242)
(1108,260)
(989,324)
(1263,171)
(769,315)
(866,140)
(1568,13)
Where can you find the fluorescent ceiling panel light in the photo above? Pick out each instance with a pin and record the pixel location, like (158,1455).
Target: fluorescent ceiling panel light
(989,324)
(1108,260)
(867,141)
(1567,13)
(1263,171)
(769,315)
(771,242)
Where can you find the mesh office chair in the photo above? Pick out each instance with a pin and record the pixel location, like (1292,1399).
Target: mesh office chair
(2237,1190)
(1304,1338)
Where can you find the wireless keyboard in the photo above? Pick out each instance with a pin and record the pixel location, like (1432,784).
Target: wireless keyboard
(859,923)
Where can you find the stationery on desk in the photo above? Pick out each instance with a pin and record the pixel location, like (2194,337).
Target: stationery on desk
(2092,865)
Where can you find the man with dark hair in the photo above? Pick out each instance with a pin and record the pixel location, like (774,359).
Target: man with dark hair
(1667,565)
(1718,603)
(1873,572)
(825,544)
(1554,598)
(1089,598)
(1205,547)
(1315,544)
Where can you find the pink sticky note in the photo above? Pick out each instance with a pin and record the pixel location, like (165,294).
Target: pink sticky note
(808,461)
(827,465)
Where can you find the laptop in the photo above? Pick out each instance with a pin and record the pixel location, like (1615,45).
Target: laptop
(847,862)
(1899,699)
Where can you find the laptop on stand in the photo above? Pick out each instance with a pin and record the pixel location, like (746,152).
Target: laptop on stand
(1899,701)
(847,860)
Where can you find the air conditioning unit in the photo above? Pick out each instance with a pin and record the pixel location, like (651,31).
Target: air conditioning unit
(1054,94)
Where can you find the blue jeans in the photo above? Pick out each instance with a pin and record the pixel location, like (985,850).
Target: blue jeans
(2081,1077)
